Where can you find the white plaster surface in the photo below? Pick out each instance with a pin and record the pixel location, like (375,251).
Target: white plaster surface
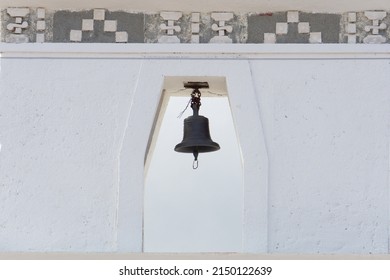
(61,131)
(73,132)
(327,138)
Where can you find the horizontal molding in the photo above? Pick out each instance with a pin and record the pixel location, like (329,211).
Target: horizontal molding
(209,51)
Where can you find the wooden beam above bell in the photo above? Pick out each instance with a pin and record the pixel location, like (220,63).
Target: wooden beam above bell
(196,85)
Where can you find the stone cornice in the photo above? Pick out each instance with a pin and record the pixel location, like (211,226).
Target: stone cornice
(201,51)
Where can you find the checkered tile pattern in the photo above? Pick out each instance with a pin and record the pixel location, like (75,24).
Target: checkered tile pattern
(282,28)
(108,26)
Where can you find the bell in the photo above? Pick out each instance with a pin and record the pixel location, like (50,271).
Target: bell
(196,137)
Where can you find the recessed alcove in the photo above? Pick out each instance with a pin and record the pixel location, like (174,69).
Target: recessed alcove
(187,210)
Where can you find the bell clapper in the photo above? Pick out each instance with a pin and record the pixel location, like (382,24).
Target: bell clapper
(195,163)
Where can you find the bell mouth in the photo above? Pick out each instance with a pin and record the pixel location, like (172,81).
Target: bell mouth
(189,148)
(196,136)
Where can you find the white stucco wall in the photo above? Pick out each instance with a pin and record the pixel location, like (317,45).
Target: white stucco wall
(327,131)
(69,169)
(61,129)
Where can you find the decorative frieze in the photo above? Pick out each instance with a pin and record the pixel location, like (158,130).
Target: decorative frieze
(23,25)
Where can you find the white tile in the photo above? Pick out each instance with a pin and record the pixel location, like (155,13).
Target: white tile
(40,38)
(195,17)
(281,28)
(375,15)
(374,39)
(87,24)
(269,38)
(76,35)
(18,20)
(195,27)
(110,26)
(99,14)
(195,39)
(352,39)
(352,17)
(121,37)
(18,12)
(169,39)
(171,15)
(303,27)
(41,13)
(222,16)
(221,40)
(315,38)
(12,38)
(41,25)
(292,16)
(351,28)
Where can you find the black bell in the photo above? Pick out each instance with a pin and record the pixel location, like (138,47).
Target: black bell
(196,137)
